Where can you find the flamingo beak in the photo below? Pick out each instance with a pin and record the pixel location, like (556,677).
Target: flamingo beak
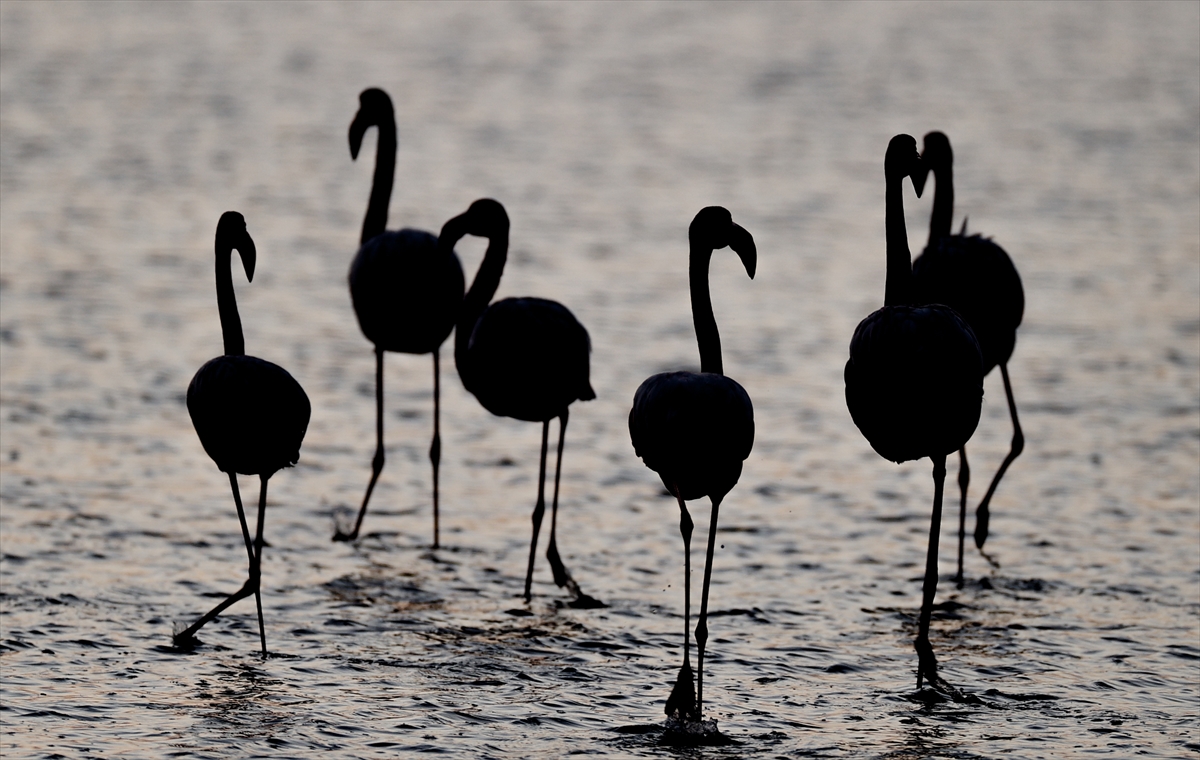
(919,174)
(358,128)
(743,245)
(452,231)
(245,247)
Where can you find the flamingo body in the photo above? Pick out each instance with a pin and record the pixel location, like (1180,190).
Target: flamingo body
(406,293)
(976,278)
(528,359)
(914,382)
(250,414)
(694,429)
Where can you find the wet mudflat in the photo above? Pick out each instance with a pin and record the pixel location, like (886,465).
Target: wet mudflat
(127,129)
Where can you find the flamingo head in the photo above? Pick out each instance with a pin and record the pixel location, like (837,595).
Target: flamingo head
(232,234)
(374,107)
(936,154)
(714,228)
(485,218)
(902,160)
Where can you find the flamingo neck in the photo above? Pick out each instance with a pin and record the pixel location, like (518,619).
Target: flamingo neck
(231,323)
(707,337)
(898,289)
(476,301)
(375,222)
(943,202)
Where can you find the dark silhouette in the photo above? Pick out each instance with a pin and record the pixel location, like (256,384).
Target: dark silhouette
(976,278)
(914,381)
(250,414)
(695,430)
(406,291)
(525,358)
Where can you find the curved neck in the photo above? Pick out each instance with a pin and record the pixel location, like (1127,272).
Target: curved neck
(375,221)
(943,202)
(707,337)
(898,290)
(483,287)
(231,323)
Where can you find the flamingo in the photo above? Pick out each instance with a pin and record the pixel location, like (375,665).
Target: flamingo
(976,278)
(695,430)
(406,291)
(250,414)
(525,358)
(914,380)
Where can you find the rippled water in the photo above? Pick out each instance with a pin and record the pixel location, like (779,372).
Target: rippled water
(127,129)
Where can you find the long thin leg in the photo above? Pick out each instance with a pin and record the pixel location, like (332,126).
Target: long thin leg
(377,462)
(435,448)
(683,696)
(1018,445)
(702,626)
(561,576)
(964,479)
(539,509)
(927,666)
(251,586)
(258,547)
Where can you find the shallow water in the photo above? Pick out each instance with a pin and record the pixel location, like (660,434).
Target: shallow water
(128,129)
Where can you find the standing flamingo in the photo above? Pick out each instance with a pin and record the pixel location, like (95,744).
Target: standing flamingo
(250,414)
(695,430)
(914,380)
(976,278)
(525,358)
(406,291)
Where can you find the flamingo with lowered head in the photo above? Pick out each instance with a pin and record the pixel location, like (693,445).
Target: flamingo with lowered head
(525,358)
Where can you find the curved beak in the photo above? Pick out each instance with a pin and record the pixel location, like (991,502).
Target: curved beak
(358,128)
(245,247)
(743,245)
(452,232)
(919,174)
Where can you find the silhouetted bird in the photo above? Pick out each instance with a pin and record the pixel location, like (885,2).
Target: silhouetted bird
(914,381)
(976,278)
(406,291)
(525,358)
(695,430)
(250,414)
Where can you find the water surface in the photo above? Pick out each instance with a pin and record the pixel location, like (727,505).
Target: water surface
(128,128)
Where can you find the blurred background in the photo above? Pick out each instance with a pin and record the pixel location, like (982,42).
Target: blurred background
(127,128)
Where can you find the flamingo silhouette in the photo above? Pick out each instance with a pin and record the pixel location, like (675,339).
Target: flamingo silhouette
(914,380)
(695,430)
(976,278)
(250,414)
(525,358)
(406,291)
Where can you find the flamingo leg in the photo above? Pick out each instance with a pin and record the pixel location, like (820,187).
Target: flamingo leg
(964,479)
(927,666)
(435,448)
(258,547)
(562,576)
(1018,445)
(377,462)
(251,586)
(702,625)
(683,696)
(539,510)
